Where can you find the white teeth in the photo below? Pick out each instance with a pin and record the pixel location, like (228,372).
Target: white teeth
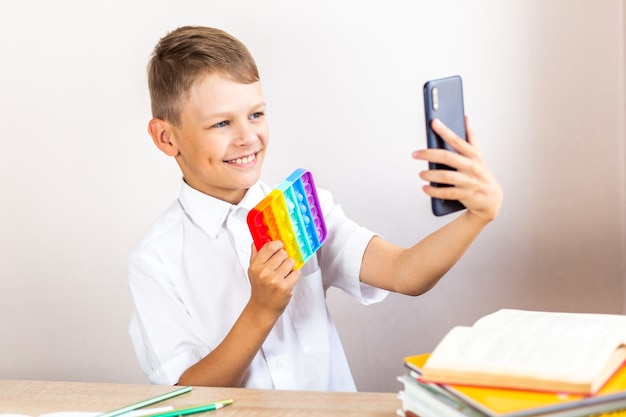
(245,160)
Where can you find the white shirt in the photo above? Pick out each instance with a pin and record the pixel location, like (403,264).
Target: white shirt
(189,284)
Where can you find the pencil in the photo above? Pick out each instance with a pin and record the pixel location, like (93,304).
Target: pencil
(198,408)
(144,403)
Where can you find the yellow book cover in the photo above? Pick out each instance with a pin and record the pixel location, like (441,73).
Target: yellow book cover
(609,401)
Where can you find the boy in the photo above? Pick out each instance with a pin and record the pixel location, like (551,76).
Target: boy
(211,310)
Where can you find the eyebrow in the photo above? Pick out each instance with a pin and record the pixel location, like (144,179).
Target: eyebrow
(226,114)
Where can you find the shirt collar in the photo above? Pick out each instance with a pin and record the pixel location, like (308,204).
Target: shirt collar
(209,212)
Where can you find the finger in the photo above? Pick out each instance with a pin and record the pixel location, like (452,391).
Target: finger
(442,176)
(253,251)
(471,135)
(280,263)
(283,263)
(272,256)
(444,157)
(445,193)
(460,186)
(451,138)
(292,277)
(268,250)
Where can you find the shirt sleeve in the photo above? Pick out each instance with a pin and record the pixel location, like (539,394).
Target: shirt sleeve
(342,253)
(165,338)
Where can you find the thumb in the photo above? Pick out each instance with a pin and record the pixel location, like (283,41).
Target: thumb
(253,250)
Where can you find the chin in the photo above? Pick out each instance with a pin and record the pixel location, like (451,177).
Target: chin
(251,177)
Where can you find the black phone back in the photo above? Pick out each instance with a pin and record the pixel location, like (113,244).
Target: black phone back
(443,100)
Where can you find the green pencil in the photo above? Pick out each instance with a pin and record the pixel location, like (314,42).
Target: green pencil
(147,402)
(199,408)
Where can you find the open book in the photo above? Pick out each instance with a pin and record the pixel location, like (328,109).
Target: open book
(532,350)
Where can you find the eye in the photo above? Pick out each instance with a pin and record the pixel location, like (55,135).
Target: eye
(256,115)
(221,124)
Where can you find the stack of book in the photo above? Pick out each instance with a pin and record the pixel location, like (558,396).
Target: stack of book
(516,363)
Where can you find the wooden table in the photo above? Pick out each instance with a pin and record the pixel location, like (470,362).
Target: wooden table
(39,397)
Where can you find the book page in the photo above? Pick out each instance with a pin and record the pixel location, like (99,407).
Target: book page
(135,413)
(567,346)
(56,414)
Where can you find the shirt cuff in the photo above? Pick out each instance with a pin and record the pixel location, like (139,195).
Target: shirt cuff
(365,293)
(170,372)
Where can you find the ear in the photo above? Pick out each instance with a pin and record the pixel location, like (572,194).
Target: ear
(161,133)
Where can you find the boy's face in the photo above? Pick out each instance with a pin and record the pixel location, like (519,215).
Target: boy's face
(222,137)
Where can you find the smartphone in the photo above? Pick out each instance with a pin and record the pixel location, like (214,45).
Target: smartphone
(443,100)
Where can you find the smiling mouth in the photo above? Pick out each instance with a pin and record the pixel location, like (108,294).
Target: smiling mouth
(246,160)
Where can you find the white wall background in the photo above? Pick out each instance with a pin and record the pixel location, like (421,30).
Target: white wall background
(80,179)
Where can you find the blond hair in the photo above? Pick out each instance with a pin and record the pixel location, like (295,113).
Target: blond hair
(187,54)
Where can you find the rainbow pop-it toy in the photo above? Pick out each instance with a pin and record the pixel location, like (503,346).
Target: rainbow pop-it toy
(292,214)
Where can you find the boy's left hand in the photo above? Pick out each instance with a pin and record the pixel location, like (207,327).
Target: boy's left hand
(473,183)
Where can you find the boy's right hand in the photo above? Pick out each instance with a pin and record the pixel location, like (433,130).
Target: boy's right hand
(272,277)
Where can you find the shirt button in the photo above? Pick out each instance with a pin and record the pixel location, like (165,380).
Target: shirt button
(279,363)
(245,248)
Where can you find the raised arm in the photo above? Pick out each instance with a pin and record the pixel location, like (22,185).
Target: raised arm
(417,269)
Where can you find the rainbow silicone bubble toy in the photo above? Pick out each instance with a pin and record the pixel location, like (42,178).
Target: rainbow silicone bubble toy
(292,214)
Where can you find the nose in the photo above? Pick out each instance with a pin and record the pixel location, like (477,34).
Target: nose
(245,133)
